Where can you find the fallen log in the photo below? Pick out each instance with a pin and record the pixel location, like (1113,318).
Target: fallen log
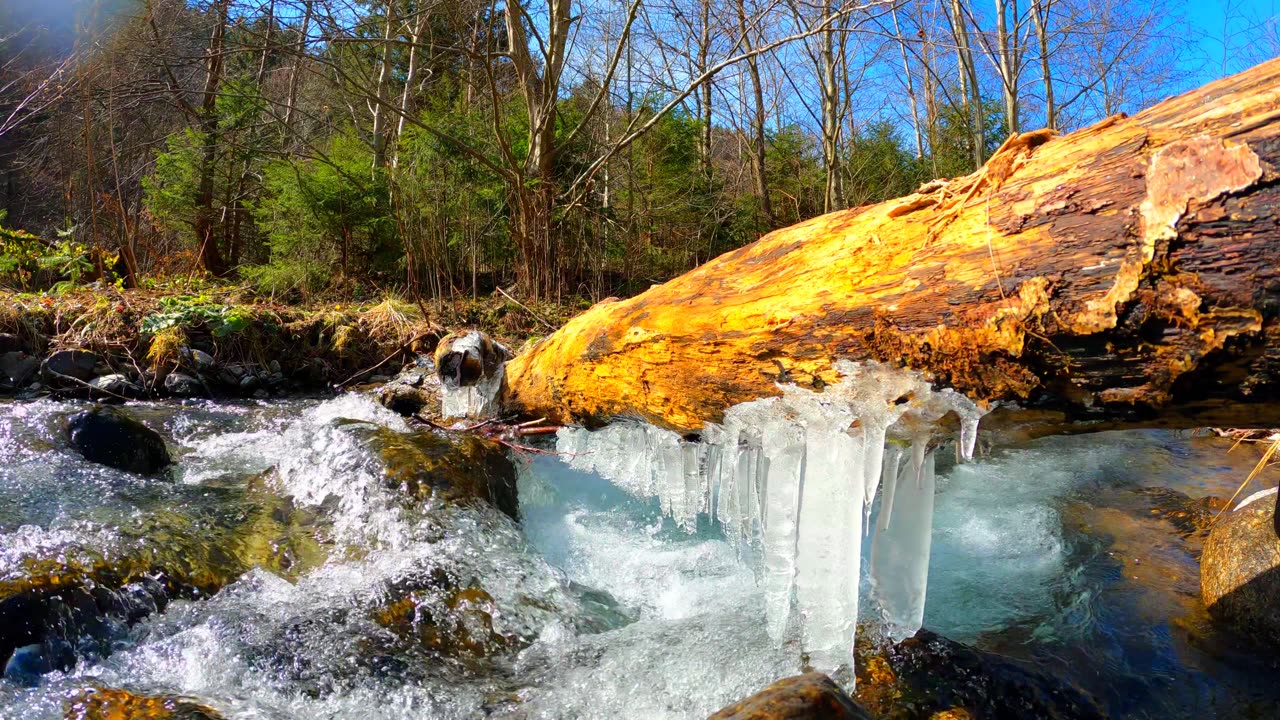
(1129,269)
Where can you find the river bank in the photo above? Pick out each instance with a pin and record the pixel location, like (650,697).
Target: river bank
(223,341)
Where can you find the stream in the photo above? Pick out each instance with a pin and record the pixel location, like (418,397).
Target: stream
(1075,556)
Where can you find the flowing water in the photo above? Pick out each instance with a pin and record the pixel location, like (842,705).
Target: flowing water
(1059,553)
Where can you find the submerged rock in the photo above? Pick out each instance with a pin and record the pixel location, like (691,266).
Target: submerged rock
(442,617)
(96,703)
(79,599)
(1240,571)
(928,674)
(63,364)
(448,468)
(813,696)
(109,437)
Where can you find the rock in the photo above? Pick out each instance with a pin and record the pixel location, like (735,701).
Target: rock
(1240,571)
(453,469)
(10,343)
(95,703)
(260,394)
(202,360)
(249,383)
(109,437)
(182,385)
(415,390)
(18,367)
(463,359)
(274,367)
(444,618)
(117,385)
(63,364)
(930,674)
(812,696)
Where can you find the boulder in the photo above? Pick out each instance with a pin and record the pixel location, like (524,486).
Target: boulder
(415,390)
(929,673)
(117,385)
(1240,571)
(182,385)
(109,437)
(18,367)
(63,364)
(448,468)
(10,343)
(812,696)
(202,360)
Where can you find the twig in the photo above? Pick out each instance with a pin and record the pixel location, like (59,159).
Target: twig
(526,309)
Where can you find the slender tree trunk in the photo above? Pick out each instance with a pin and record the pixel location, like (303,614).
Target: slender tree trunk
(295,73)
(977,112)
(1040,15)
(911,88)
(758,146)
(1006,49)
(384,80)
(210,253)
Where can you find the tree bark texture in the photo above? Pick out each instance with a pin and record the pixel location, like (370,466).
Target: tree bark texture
(1129,269)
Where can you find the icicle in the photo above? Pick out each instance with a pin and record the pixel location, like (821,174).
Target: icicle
(874,439)
(968,435)
(900,552)
(889,480)
(784,453)
(692,455)
(473,401)
(828,547)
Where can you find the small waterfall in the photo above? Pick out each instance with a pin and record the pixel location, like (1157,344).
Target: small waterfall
(791,480)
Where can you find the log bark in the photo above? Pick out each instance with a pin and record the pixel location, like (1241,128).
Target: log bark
(1127,270)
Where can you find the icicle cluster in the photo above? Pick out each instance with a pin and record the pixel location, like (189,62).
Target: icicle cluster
(792,480)
(473,401)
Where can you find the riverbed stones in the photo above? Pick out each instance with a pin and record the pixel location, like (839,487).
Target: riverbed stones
(448,468)
(1240,572)
(109,437)
(812,696)
(64,364)
(415,391)
(18,367)
(182,385)
(117,385)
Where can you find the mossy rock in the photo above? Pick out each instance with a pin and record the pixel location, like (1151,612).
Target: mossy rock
(111,704)
(448,468)
(82,596)
(812,696)
(440,616)
(929,675)
(1240,572)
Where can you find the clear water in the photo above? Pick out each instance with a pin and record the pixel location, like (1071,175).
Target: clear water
(1047,552)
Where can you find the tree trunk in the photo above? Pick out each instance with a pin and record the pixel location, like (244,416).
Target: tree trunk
(210,253)
(1040,15)
(1129,269)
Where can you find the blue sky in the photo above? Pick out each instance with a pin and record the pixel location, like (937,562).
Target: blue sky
(1247,30)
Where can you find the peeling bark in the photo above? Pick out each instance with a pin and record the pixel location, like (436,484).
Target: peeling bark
(1127,270)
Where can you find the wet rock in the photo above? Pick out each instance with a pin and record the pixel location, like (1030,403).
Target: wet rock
(109,437)
(813,696)
(929,674)
(182,385)
(416,390)
(455,468)
(10,343)
(1189,516)
(1240,572)
(84,596)
(454,621)
(117,385)
(249,383)
(63,364)
(463,359)
(110,704)
(18,367)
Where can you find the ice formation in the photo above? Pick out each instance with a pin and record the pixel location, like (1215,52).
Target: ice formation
(791,480)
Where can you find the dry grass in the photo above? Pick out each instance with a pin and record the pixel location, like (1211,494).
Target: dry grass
(1271,438)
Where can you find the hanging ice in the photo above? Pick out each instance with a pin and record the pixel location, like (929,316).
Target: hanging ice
(473,401)
(900,549)
(791,481)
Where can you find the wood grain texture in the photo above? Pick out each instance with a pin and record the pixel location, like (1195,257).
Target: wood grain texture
(1125,269)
